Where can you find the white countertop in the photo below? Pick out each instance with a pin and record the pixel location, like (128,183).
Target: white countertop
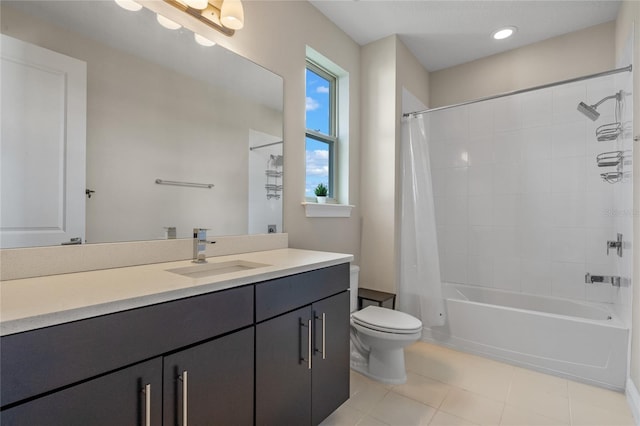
(32,303)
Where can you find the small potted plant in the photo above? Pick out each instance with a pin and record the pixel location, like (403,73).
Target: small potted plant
(321,193)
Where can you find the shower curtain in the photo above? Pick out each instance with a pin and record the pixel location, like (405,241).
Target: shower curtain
(420,289)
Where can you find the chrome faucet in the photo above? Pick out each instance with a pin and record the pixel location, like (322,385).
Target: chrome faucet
(200,245)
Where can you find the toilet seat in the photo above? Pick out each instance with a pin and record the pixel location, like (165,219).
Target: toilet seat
(386,320)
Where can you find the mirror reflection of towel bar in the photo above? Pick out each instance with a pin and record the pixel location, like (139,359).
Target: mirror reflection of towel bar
(251,148)
(177,183)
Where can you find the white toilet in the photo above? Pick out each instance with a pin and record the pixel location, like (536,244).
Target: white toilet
(378,338)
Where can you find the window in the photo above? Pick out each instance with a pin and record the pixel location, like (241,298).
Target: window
(321,134)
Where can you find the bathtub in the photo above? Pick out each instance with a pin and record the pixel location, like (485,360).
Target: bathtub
(579,341)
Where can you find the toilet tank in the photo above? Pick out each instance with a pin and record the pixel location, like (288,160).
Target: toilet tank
(353,286)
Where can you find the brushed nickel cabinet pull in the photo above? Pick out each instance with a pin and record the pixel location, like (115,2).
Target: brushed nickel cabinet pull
(324,337)
(310,345)
(184,379)
(147,404)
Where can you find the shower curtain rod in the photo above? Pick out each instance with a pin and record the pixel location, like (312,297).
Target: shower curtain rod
(517,92)
(265,145)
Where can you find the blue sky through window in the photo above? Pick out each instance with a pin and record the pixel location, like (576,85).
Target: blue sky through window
(317,119)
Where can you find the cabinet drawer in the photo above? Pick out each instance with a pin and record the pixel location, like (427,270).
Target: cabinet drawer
(45,359)
(118,398)
(285,294)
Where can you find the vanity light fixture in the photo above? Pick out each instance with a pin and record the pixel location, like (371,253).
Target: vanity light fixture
(167,23)
(232,14)
(129,5)
(197,4)
(225,16)
(203,41)
(503,33)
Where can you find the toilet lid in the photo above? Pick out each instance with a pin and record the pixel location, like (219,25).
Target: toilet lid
(387,320)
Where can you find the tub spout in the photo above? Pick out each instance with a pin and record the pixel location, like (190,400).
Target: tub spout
(607,279)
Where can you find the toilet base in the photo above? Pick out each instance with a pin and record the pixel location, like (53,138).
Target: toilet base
(383,366)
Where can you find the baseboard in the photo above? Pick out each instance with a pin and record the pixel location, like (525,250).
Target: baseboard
(633,398)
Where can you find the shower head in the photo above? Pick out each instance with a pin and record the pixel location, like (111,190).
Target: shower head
(590,111)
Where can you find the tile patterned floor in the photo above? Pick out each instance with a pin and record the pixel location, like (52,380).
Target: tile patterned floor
(446,388)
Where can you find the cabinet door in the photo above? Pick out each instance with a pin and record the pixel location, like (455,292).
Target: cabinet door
(211,383)
(330,374)
(283,374)
(132,396)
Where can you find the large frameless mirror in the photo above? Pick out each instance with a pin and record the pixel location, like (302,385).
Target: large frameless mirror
(115,128)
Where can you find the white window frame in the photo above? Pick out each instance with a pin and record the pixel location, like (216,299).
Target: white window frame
(330,139)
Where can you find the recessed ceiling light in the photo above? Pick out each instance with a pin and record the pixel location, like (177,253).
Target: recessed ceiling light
(503,33)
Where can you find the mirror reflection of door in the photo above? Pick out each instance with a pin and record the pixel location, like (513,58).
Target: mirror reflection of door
(42,202)
(159,106)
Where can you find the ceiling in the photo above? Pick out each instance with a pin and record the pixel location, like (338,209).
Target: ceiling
(444,33)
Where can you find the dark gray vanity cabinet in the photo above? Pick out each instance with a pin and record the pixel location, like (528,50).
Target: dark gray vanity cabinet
(330,368)
(212,383)
(132,396)
(302,355)
(275,352)
(283,377)
(93,365)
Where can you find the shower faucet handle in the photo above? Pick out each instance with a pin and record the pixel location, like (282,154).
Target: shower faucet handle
(617,244)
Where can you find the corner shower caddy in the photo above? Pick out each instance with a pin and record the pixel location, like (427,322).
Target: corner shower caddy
(274,177)
(273,172)
(607,133)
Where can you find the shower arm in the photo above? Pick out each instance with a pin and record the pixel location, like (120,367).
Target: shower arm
(618,96)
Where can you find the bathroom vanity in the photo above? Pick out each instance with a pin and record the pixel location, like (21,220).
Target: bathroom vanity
(262,344)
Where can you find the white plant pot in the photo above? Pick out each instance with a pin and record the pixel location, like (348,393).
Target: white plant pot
(321,200)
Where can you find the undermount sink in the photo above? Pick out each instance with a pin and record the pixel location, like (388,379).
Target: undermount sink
(217,268)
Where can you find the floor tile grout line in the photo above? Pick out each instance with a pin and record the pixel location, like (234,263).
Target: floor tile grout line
(571,422)
(504,406)
(506,398)
(457,366)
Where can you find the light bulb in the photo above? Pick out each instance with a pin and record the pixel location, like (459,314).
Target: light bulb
(197,4)
(203,41)
(129,5)
(232,14)
(167,23)
(503,33)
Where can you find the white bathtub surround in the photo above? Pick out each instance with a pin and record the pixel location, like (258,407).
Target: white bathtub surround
(419,289)
(519,201)
(41,261)
(583,341)
(623,194)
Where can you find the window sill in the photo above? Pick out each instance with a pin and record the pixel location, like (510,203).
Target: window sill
(327,210)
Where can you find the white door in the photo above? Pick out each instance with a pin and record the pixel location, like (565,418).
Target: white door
(42,146)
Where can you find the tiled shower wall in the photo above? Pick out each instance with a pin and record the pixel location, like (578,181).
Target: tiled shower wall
(520,204)
(623,196)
